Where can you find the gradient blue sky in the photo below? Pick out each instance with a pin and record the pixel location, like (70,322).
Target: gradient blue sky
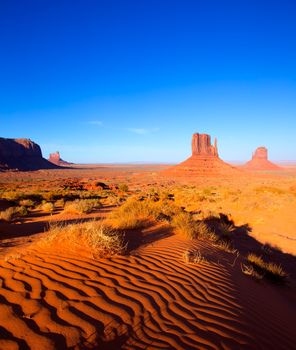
(120,81)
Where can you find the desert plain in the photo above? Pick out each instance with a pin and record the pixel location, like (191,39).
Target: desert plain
(136,257)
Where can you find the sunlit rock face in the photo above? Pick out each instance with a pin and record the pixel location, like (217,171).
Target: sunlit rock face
(204,160)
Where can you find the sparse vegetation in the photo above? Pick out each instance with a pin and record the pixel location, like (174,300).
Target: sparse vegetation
(193,257)
(94,236)
(123,187)
(184,225)
(270,270)
(47,207)
(132,214)
(82,206)
(12,213)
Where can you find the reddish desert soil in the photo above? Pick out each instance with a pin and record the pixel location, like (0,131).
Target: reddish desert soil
(151,298)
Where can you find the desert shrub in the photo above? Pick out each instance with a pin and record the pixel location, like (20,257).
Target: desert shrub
(269,270)
(205,232)
(82,206)
(27,203)
(184,225)
(193,257)
(21,211)
(47,207)
(95,236)
(132,214)
(123,187)
(11,195)
(13,212)
(8,214)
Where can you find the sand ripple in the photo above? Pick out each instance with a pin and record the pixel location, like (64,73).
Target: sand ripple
(148,300)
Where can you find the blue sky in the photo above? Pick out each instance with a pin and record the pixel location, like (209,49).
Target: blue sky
(120,81)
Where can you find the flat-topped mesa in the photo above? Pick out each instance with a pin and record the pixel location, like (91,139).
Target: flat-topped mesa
(260,153)
(22,154)
(201,146)
(260,161)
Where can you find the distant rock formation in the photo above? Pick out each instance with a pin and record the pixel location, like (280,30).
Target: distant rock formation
(22,154)
(204,160)
(201,146)
(260,161)
(56,159)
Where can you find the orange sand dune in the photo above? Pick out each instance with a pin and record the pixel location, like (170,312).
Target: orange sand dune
(150,299)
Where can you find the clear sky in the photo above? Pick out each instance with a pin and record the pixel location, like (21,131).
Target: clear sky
(123,80)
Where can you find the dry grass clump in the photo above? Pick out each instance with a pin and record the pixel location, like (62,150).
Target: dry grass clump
(94,236)
(269,270)
(47,207)
(82,206)
(225,245)
(12,213)
(250,271)
(205,232)
(193,257)
(8,214)
(185,225)
(132,214)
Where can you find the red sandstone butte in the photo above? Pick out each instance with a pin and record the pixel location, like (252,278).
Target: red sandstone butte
(56,159)
(204,160)
(22,154)
(260,161)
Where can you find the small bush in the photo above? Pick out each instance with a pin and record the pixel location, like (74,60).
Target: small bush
(21,211)
(185,225)
(11,213)
(82,206)
(205,232)
(132,214)
(123,187)
(8,214)
(47,207)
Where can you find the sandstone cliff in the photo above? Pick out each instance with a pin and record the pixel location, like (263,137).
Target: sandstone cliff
(22,154)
